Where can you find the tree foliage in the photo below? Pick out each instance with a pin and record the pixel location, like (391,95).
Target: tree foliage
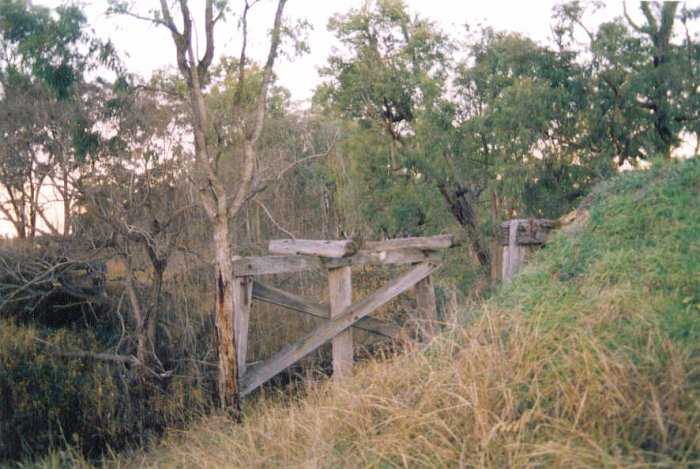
(643,78)
(47,129)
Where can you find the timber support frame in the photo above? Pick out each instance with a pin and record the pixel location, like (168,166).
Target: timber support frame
(342,315)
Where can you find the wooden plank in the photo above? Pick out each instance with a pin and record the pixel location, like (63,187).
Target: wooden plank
(391,257)
(426,243)
(267,265)
(322,334)
(529,231)
(314,247)
(242,298)
(340,295)
(246,266)
(426,319)
(288,300)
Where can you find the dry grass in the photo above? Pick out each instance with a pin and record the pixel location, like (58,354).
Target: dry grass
(590,358)
(475,400)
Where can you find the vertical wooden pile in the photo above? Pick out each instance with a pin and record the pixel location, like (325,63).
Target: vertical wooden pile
(340,293)
(519,238)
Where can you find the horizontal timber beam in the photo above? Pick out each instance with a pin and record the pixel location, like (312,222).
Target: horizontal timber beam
(425,243)
(313,247)
(259,374)
(288,300)
(245,266)
(397,257)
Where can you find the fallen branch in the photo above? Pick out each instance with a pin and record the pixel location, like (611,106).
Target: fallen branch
(102,356)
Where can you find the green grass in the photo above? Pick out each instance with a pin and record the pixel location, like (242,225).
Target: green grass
(589,358)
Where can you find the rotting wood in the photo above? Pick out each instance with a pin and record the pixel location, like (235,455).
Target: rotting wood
(340,293)
(428,326)
(242,298)
(529,231)
(513,259)
(268,294)
(314,247)
(259,374)
(424,243)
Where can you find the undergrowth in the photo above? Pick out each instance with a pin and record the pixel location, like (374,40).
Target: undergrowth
(589,358)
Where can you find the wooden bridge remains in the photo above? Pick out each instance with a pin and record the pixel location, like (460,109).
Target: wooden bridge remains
(519,238)
(338,258)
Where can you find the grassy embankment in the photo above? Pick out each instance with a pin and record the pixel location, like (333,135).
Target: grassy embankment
(590,358)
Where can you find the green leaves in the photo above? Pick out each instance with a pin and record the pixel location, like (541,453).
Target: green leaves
(85,141)
(643,80)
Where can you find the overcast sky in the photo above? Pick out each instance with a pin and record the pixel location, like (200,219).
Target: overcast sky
(146,48)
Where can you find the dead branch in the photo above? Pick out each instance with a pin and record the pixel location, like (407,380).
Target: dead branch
(272,219)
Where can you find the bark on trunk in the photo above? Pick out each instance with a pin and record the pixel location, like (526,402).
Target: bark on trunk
(214,198)
(462,202)
(140,329)
(496,250)
(154,308)
(66,206)
(228,367)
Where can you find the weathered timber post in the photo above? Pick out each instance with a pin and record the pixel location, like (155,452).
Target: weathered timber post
(339,288)
(340,296)
(242,298)
(519,238)
(426,318)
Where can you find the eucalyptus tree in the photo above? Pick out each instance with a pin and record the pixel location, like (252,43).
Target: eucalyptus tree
(219,203)
(644,78)
(522,107)
(135,200)
(500,121)
(46,129)
(390,69)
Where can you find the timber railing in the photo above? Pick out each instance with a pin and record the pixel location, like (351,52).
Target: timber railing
(338,258)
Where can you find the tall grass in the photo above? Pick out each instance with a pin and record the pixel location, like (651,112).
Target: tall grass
(589,358)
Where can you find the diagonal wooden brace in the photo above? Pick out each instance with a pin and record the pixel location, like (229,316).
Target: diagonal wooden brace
(294,302)
(259,374)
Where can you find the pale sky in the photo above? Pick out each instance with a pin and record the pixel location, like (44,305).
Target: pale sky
(146,48)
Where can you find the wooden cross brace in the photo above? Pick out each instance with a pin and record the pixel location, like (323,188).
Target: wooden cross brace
(286,357)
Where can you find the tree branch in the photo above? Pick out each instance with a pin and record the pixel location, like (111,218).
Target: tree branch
(209,22)
(238,96)
(634,25)
(296,163)
(272,219)
(250,136)
(267,73)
